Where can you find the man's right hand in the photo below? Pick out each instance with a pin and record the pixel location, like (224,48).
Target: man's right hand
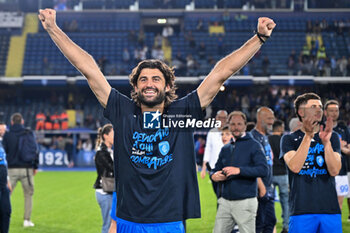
(262,191)
(203,172)
(9,186)
(261,187)
(309,124)
(47,18)
(344,147)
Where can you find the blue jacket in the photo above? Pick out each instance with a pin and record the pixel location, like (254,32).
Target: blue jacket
(247,154)
(10,144)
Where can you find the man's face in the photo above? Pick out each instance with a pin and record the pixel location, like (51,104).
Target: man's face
(332,111)
(151,87)
(313,108)
(221,116)
(280,129)
(237,126)
(267,120)
(2,129)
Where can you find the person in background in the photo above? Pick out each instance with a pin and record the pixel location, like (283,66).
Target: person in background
(22,169)
(250,126)
(265,219)
(5,187)
(55,118)
(2,130)
(279,171)
(331,109)
(213,146)
(104,168)
(48,122)
(240,163)
(226,135)
(199,148)
(64,120)
(87,145)
(40,121)
(294,124)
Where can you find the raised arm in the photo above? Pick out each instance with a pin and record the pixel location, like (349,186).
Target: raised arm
(232,63)
(77,56)
(332,158)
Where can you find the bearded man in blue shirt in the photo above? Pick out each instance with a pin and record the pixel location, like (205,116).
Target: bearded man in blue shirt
(156,179)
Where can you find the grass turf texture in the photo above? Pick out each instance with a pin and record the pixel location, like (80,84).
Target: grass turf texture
(64,202)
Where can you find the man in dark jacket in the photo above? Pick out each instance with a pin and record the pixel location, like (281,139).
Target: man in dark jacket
(18,169)
(266,218)
(239,164)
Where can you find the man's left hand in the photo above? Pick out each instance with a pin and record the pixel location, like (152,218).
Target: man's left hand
(326,132)
(229,171)
(265,26)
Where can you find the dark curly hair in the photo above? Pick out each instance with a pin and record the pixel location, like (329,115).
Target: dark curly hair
(302,99)
(168,73)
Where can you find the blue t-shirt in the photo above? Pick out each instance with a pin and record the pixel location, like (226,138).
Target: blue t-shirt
(156,178)
(264,141)
(312,190)
(344,135)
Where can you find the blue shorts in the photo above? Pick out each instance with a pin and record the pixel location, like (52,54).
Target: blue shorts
(124,226)
(114,207)
(315,223)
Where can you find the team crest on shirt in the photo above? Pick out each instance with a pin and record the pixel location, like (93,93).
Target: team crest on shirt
(164,147)
(320,161)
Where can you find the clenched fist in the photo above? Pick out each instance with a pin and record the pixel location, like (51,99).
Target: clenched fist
(265,26)
(47,18)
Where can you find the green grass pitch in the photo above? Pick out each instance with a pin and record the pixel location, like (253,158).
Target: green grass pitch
(64,202)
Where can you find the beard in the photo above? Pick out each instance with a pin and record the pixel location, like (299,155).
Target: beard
(236,136)
(158,99)
(268,128)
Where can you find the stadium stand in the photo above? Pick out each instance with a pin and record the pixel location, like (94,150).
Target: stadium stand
(4,46)
(108,34)
(278,97)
